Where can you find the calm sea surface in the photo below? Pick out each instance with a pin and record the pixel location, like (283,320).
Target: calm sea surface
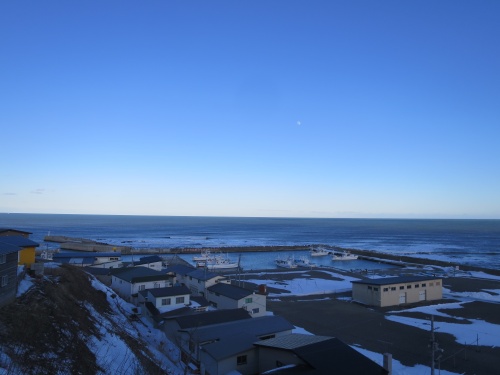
(474,242)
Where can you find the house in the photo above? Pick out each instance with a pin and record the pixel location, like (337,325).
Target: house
(165,299)
(173,322)
(153,262)
(228,296)
(8,272)
(197,280)
(219,349)
(86,259)
(26,256)
(128,282)
(309,354)
(393,291)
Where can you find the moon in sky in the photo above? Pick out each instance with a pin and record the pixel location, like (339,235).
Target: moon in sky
(298,122)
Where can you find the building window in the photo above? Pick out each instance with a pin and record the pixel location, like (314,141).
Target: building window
(424,285)
(401,287)
(142,287)
(5,280)
(431,284)
(3,258)
(386,289)
(179,300)
(416,285)
(375,289)
(241,360)
(248,300)
(255,311)
(438,283)
(408,287)
(165,301)
(393,288)
(369,287)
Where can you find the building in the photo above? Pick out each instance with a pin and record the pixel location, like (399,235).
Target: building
(393,291)
(86,259)
(222,348)
(128,282)
(26,256)
(8,273)
(308,354)
(228,296)
(169,298)
(197,280)
(153,262)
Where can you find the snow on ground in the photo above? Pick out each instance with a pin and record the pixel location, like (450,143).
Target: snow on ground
(397,367)
(304,285)
(466,331)
(114,354)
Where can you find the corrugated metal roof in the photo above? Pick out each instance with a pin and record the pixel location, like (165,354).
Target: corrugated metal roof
(230,291)
(211,317)
(292,341)
(138,274)
(395,280)
(202,274)
(18,241)
(169,291)
(6,248)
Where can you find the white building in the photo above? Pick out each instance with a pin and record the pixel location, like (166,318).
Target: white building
(128,282)
(227,296)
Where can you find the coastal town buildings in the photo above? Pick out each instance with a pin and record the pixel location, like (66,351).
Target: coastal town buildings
(393,291)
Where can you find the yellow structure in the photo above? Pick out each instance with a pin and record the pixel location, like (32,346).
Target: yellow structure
(26,254)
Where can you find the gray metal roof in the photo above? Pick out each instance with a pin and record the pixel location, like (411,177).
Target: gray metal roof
(395,280)
(292,341)
(169,291)
(202,319)
(236,337)
(180,269)
(230,291)
(18,241)
(148,259)
(138,274)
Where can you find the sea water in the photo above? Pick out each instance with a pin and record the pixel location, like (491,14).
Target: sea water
(471,242)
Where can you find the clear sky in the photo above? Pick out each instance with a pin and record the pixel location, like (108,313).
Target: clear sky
(251,108)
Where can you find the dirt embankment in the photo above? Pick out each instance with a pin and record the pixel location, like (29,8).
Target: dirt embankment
(47,329)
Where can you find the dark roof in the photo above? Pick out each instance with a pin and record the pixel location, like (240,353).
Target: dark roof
(169,291)
(395,280)
(2,230)
(202,319)
(86,254)
(6,248)
(236,337)
(148,259)
(18,241)
(230,291)
(200,300)
(98,271)
(180,269)
(202,274)
(138,274)
(323,355)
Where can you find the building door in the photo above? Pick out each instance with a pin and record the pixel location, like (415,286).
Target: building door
(421,295)
(402,298)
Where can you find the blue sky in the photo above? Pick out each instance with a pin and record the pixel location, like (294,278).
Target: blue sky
(251,108)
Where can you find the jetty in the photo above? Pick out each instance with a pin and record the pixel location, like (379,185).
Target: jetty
(82,244)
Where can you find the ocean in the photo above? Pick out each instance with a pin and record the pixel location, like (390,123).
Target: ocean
(467,242)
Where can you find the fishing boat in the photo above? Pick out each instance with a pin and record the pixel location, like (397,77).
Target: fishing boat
(285,262)
(205,254)
(345,255)
(304,262)
(217,262)
(319,252)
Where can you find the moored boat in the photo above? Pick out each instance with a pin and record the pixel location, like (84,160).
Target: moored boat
(345,255)
(304,262)
(286,262)
(319,252)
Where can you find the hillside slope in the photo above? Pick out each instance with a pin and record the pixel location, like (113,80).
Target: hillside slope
(69,323)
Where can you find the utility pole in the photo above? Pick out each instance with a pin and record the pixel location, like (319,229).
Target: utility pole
(434,348)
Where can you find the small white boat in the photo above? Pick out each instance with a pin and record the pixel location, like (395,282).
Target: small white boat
(285,262)
(345,255)
(304,262)
(205,254)
(220,263)
(319,252)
